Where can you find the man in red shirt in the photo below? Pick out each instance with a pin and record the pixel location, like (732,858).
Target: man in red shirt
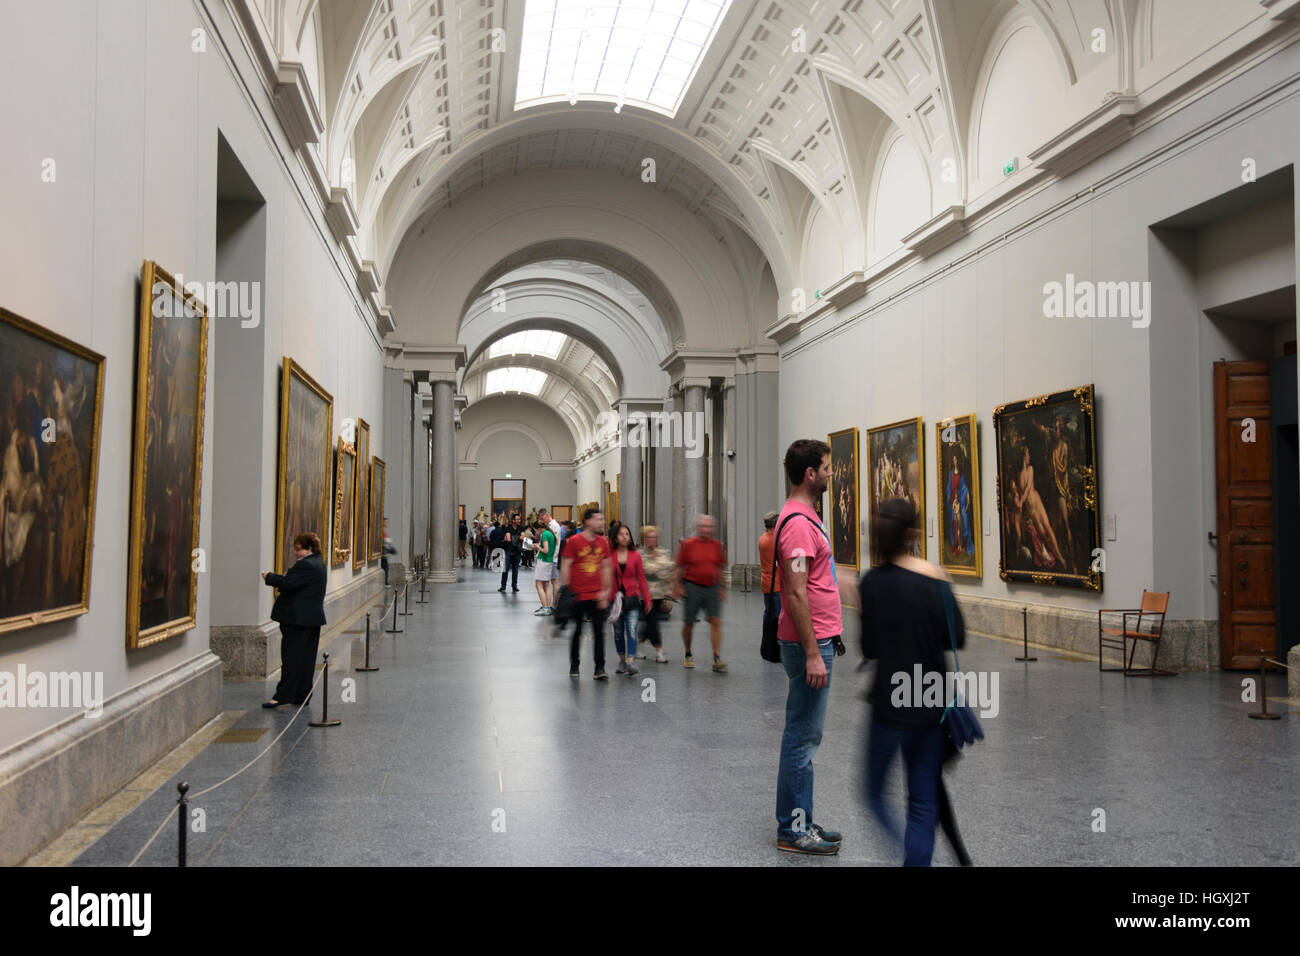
(700,561)
(587,572)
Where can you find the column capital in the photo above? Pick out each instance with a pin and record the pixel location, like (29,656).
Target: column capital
(693,382)
(625,404)
(440,362)
(683,363)
(461,401)
(757,358)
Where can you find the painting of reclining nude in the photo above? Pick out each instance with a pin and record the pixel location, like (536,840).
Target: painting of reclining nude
(167,468)
(895,469)
(51,393)
(1047,490)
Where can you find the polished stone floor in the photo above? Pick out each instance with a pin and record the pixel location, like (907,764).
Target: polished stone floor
(472,745)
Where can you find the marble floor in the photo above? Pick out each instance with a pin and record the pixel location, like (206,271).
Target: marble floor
(471,745)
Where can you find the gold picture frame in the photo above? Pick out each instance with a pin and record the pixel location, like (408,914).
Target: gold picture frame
(68,469)
(377,473)
(302,501)
(345,489)
(361,512)
(896,468)
(844,511)
(167,459)
(957,484)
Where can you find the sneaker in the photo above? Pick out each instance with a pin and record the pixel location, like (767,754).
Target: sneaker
(830,836)
(513,589)
(600,674)
(540,612)
(660,659)
(718,666)
(810,842)
(688,661)
(573,672)
(622,667)
(548,611)
(501,590)
(632,669)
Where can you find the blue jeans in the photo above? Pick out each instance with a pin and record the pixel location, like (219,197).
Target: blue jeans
(805,715)
(923,762)
(625,631)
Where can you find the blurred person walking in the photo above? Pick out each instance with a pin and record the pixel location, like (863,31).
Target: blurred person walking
(700,563)
(630,583)
(659,574)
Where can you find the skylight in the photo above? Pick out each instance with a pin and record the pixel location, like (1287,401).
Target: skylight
(515,379)
(529,342)
(643,52)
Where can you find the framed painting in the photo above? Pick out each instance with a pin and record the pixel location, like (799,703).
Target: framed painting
(1047,490)
(508,494)
(51,403)
(896,469)
(361,507)
(562,512)
(167,460)
(377,468)
(961,549)
(345,489)
(844,496)
(303,486)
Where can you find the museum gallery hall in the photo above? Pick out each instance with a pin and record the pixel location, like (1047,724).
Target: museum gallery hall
(305,300)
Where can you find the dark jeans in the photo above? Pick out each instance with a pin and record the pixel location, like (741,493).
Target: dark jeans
(588,609)
(805,716)
(383,563)
(652,618)
(298,647)
(511,568)
(922,761)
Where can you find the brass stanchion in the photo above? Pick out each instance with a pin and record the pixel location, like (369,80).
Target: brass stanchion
(367,667)
(1262,713)
(183,819)
(1024,619)
(325,700)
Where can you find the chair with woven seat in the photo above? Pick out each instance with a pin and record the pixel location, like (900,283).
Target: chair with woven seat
(1152,613)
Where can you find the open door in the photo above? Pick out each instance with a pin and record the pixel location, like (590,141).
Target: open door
(1244,478)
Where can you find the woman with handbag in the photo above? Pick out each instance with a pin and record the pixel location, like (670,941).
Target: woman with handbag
(908,620)
(660,569)
(629,595)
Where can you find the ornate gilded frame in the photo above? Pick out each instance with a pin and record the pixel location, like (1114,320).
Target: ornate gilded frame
(152,275)
(360,503)
(289,370)
(918,424)
(18,622)
(973,456)
(345,467)
(376,537)
(1085,398)
(857,517)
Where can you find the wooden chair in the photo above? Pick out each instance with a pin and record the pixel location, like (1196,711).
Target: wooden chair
(1154,604)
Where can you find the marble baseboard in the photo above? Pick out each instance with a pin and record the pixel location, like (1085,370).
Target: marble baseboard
(1187,644)
(47,783)
(1293,673)
(252,651)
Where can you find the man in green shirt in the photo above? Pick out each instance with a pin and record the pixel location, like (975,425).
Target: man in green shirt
(544,570)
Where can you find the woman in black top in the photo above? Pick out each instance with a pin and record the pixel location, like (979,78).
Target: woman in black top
(905,630)
(300,610)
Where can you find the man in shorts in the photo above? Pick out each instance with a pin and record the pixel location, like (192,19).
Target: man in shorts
(700,562)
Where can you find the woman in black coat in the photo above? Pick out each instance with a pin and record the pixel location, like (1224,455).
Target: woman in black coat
(300,609)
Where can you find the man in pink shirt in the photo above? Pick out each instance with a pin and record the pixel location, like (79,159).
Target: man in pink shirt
(807,630)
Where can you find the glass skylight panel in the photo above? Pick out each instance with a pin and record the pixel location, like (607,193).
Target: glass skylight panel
(529,342)
(644,52)
(515,379)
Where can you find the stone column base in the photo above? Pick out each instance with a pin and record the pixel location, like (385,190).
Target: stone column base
(1293,673)
(50,781)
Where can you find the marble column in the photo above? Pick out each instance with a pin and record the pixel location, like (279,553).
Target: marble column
(443,484)
(418,533)
(693,466)
(673,533)
(727,510)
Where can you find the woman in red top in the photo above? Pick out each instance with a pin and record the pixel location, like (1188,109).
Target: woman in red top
(629,578)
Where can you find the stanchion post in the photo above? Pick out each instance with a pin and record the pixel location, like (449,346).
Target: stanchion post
(406,599)
(394,629)
(183,820)
(1024,626)
(367,666)
(1262,713)
(422,600)
(325,700)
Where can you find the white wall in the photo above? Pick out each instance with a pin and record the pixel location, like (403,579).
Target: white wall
(512,435)
(130,115)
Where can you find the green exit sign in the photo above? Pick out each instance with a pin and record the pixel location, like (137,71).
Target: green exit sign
(1011,165)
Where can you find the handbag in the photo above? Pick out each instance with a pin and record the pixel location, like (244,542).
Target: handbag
(770,648)
(615,608)
(565,606)
(958,720)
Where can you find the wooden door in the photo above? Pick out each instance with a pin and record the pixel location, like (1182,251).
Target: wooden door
(1244,471)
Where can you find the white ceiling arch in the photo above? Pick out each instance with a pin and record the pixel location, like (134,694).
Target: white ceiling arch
(543,448)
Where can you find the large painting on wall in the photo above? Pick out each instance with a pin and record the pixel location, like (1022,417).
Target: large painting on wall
(895,469)
(961,549)
(167,460)
(377,468)
(51,399)
(345,488)
(361,509)
(844,496)
(1047,489)
(306,437)
(509,494)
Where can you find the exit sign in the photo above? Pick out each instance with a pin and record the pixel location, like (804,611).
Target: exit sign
(1011,165)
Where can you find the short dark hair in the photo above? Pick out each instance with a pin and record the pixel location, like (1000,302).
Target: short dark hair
(589,514)
(804,453)
(308,541)
(890,525)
